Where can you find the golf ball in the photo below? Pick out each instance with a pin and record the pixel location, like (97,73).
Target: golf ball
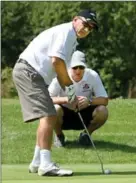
(107,171)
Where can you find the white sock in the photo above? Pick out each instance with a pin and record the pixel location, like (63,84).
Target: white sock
(36,157)
(45,156)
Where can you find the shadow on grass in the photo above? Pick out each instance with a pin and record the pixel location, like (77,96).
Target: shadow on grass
(99,173)
(102,145)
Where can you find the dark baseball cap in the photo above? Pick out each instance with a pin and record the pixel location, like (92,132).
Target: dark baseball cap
(90,17)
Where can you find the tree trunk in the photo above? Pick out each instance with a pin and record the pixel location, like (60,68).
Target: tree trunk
(132,88)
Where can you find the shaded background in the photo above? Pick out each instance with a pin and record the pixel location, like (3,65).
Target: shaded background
(111,51)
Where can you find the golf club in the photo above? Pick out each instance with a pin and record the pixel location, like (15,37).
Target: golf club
(91,142)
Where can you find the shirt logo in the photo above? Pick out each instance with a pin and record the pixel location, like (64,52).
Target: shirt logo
(86,86)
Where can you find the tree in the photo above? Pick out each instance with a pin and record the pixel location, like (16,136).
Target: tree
(111,51)
(16,30)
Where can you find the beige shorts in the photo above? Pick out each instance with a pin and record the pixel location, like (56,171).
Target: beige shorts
(33,93)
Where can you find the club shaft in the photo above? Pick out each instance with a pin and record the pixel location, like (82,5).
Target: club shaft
(91,141)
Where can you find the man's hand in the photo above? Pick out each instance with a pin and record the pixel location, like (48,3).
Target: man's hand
(83,102)
(72,98)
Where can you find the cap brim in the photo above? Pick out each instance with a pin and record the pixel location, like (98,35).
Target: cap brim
(77,64)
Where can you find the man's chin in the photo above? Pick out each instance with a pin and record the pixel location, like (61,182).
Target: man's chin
(81,36)
(78,79)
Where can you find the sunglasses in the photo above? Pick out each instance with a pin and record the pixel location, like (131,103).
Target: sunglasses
(78,67)
(87,25)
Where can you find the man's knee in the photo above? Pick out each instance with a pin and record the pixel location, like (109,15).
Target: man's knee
(59,110)
(47,121)
(101,113)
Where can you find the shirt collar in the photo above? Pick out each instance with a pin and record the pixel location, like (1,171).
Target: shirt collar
(74,32)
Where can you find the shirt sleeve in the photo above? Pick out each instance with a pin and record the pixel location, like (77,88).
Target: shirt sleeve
(98,88)
(54,88)
(57,46)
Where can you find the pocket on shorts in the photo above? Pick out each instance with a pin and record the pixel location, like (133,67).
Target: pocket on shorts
(31,75)
(35,78)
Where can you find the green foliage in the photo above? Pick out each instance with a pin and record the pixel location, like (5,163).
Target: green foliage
(16,31)
(48,14)
(7,88)
(111,51)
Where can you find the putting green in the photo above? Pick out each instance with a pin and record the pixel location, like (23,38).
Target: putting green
(121,173)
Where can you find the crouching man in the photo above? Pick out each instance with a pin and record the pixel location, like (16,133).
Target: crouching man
(92,102)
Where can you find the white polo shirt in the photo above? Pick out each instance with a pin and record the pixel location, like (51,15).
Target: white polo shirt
(59,41)
(88,86)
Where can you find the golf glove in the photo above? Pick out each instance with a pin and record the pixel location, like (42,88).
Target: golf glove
(72,99)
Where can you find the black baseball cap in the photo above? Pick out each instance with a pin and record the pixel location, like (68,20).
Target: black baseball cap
(90,17)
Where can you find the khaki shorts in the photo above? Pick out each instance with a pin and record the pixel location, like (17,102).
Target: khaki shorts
(33,92)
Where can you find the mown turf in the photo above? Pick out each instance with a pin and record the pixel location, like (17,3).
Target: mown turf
(82,173)
(115,141)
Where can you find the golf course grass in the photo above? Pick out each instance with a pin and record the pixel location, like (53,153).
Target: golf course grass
(115,142)
(83,173)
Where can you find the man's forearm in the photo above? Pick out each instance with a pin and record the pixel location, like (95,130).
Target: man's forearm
(99,101)
(61,71)
(60,100)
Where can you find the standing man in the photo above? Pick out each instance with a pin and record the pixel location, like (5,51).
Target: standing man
(92,108)
(46,56)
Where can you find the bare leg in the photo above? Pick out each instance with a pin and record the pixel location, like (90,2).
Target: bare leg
(100,116)
(59,139)
(58,124)
(44,139)
(45,132)
(44,136)
(43,143)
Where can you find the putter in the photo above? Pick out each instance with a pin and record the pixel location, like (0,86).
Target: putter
(91,142)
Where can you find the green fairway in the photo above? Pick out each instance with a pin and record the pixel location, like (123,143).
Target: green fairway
(82,173)
(115,142)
